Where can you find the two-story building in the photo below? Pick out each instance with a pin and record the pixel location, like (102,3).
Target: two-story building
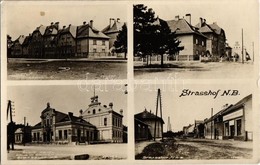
(58,127)
(91,42)
(66,42)
(108,122)
(193,41)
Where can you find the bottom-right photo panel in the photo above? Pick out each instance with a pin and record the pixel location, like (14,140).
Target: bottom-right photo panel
(193,121)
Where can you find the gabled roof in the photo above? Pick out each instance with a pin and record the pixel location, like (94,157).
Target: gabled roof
(41,29)
(70,29)
(20,39)
(26,40)
(238,105)
(116,27)
(181,26)
(216,28)
(145,115)
(86,31)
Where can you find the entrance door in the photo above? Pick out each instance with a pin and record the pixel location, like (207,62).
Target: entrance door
(78,135)
(232,131)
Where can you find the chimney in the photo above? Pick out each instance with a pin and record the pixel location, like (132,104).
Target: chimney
(84,23)
(48,105)
(91,23)
(70,114)
(201,21)
(111,22)
(204,20)
(105,106)
(177,17)
(69,25)
(64,27)
(118,19)
(80,112)
(51,23)
(111,105)
(121,111)
(188,18)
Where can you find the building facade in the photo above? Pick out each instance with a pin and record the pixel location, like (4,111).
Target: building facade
(108,122)
(58,127)
(193,41)
(151,121)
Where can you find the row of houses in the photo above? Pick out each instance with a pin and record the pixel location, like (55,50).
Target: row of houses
(231,122)
(97,124)
(67,42)
(200,40)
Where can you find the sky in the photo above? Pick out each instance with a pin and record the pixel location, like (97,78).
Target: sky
(185,110)
(232,16)
(22,18)
(30,101)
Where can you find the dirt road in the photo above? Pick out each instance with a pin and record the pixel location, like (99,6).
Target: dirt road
(197,149)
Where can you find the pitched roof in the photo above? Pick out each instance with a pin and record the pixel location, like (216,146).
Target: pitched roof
(20,39)
(181,26)
(116,27)
(86,30)
(70,29)
(51,30)
(216,28)
(145,115)
(239,104)
(41,29)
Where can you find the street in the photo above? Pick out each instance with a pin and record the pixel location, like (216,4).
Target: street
(195,70)
(197,149)
(67,152)
(20,69)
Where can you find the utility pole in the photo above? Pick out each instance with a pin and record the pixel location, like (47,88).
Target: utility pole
(10,129)
(24,131)
(253,53)
(242,47)
(159,101)
(211,123)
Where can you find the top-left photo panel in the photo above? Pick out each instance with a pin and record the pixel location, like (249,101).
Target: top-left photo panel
(65,41)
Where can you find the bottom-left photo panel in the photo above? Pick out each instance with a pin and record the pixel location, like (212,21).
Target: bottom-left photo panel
(67,122)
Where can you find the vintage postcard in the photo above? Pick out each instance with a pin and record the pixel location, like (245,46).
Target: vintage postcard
(130,82)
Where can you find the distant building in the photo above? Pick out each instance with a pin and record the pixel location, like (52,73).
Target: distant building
(108,122)
(149,120)
(17,47)
(199,128)
(37,43)
(58,127)
(216,38)
(188,131)
(228,52)
(23,135)
(112,30)
(192,40)
(49,39)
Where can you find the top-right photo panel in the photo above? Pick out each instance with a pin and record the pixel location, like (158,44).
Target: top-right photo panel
(191,40)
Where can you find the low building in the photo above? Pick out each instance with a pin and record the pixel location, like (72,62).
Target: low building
(108,122)
(23,135)
(199,128)
(153,122)
(58,127)
(142,130)
(238,120)
(188,131)
(17,47)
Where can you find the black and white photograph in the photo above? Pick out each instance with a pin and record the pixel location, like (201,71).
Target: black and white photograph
(47,41)
(193,122)
(206,40)
(67,122)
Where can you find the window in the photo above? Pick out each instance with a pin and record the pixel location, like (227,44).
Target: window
(103,50)
(197,42)
(103,42)
(94,50)
(105,121)
(94,42)
(34,136)
(60,134)
(226,129)
(38,136)
(239,127)
(202,43)
(65,134)
(94,111)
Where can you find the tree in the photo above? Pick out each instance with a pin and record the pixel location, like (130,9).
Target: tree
(144,31)
(153,35)
(121,41)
